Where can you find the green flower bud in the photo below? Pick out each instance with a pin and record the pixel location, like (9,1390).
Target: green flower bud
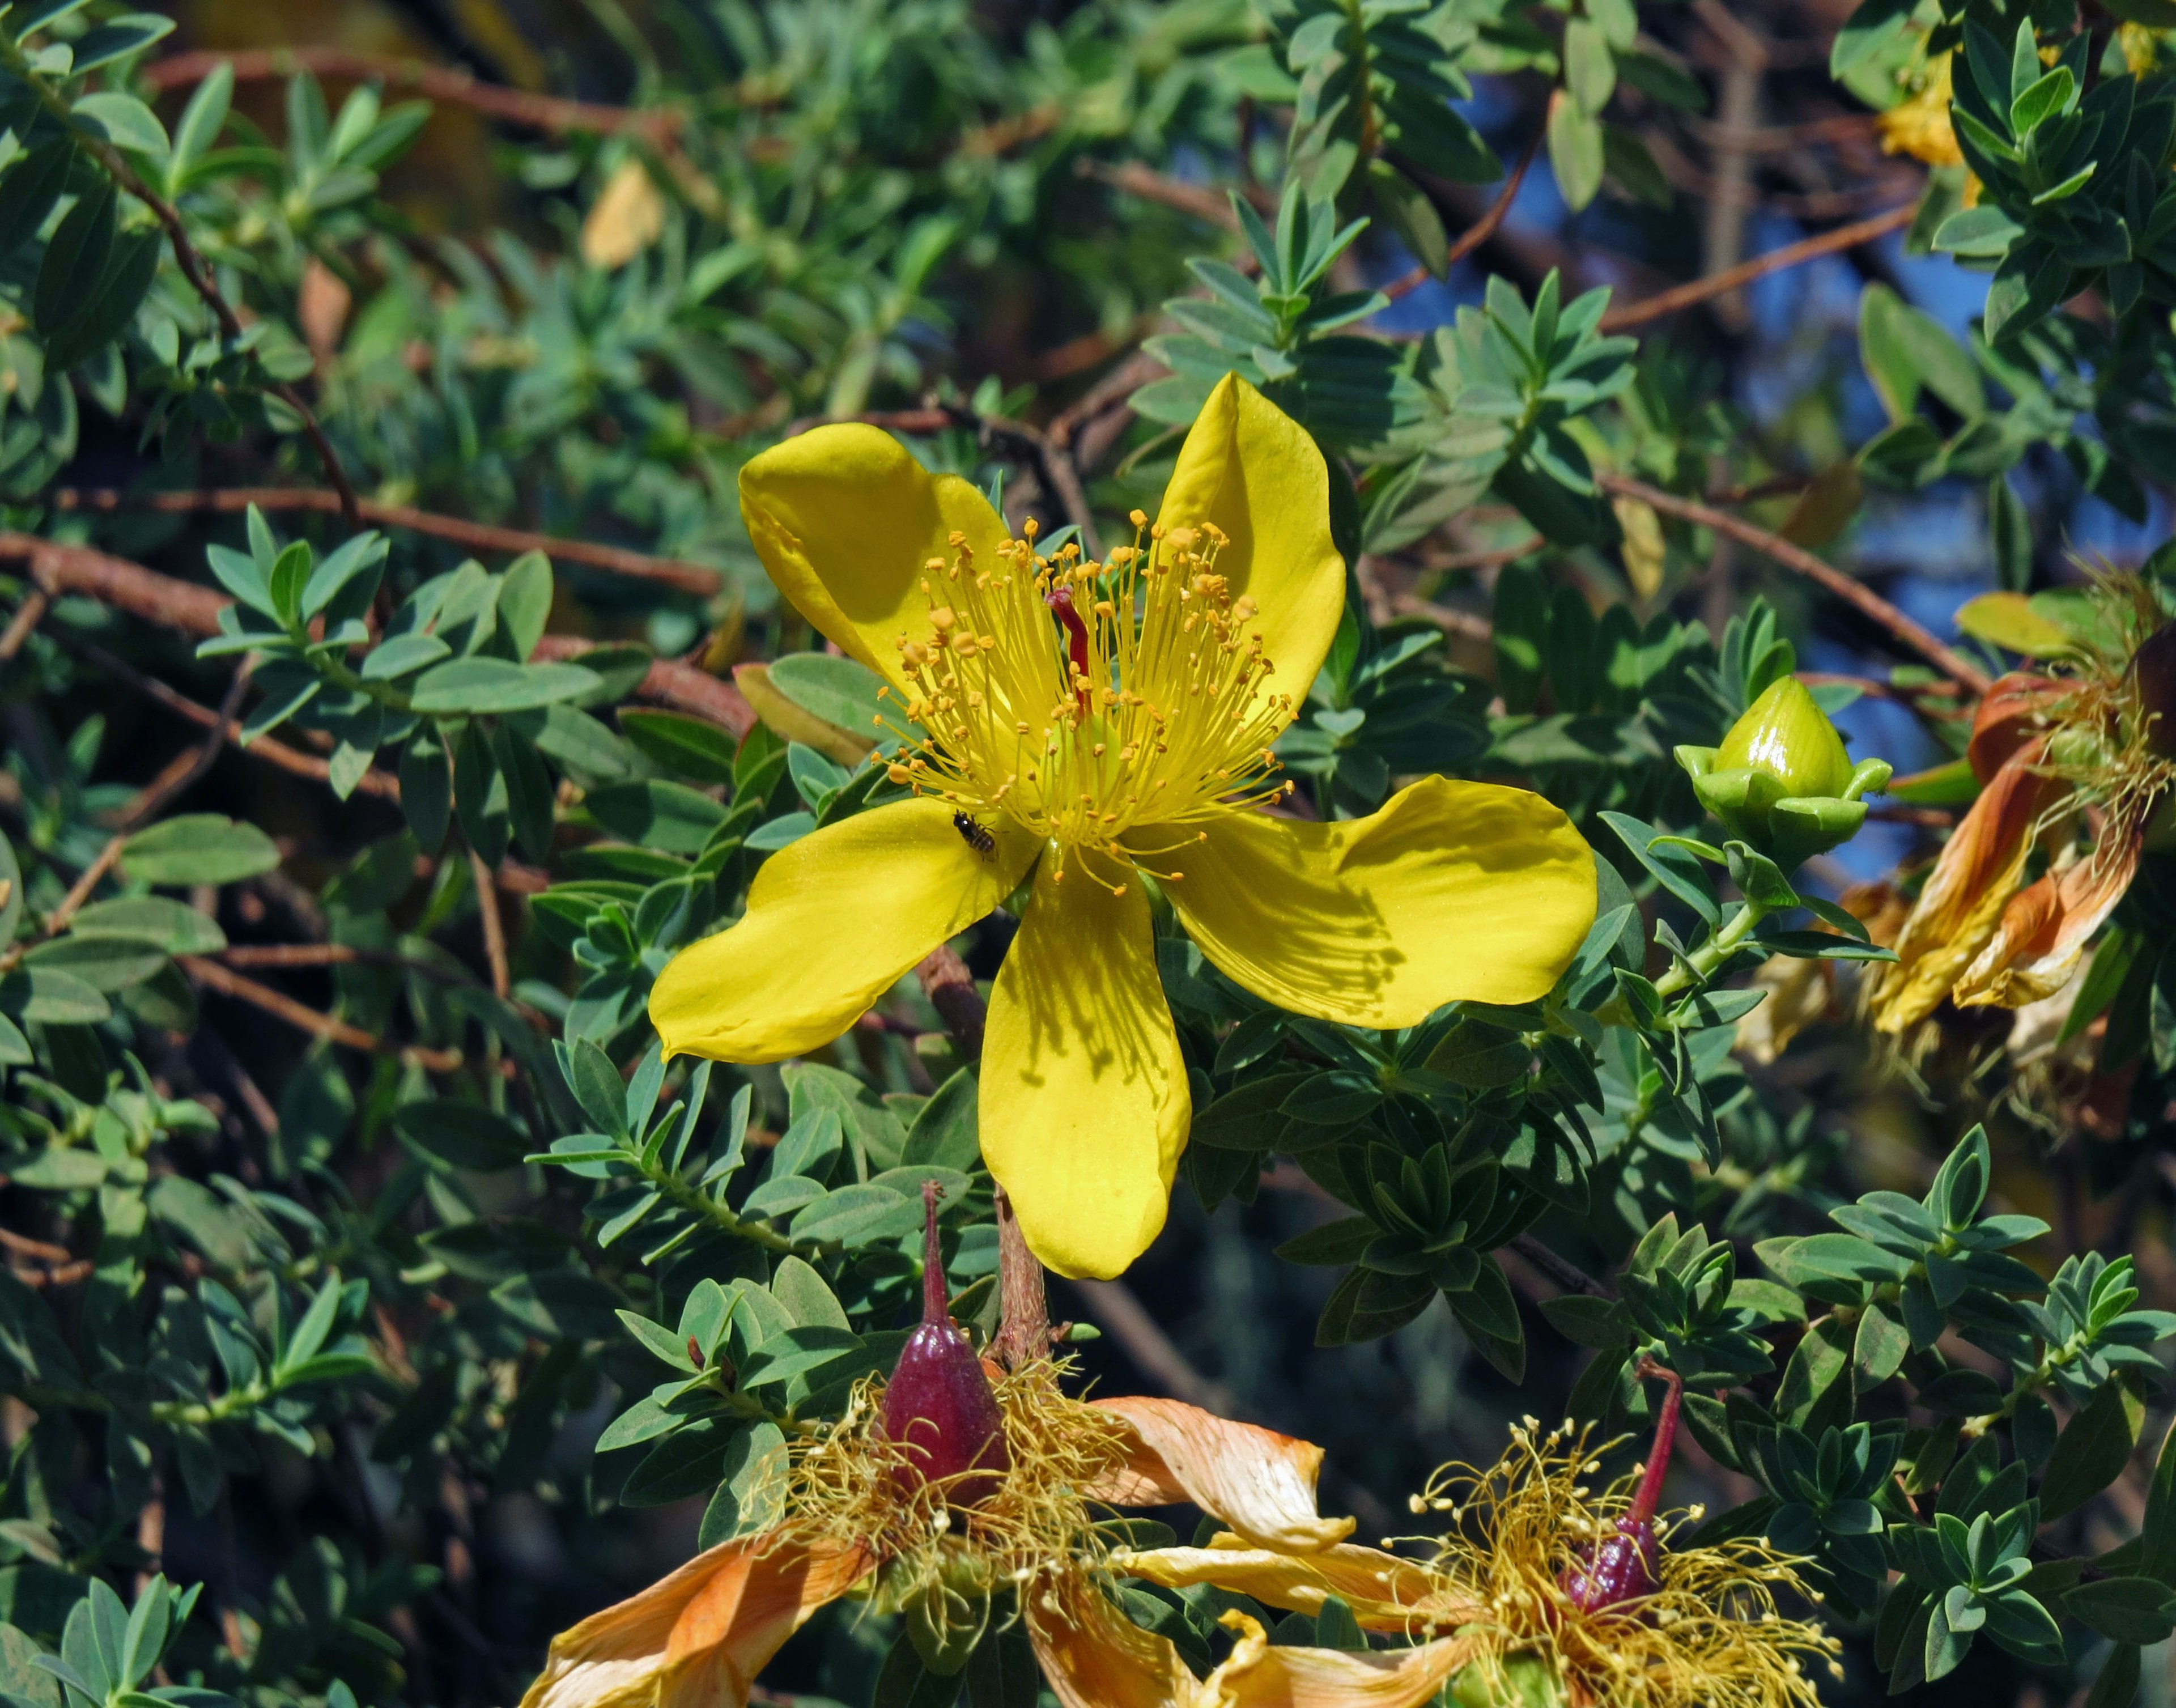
(1782,782)
(1785,735)
(1522,1680)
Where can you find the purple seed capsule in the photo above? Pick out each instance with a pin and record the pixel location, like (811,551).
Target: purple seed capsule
(938,1405)
(1628,1565)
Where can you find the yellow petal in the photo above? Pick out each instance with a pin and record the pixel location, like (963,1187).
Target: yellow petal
(1260,1482)
(833,921)
(1260,1674)
(1251,470)
(696,1638)
(845,520)
(1451,891)
(1091,1657)
(1385,1593)
(1083,1103)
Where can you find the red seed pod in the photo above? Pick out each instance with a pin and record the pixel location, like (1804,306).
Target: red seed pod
(1628,1565)
(938,1405)
(2153,667)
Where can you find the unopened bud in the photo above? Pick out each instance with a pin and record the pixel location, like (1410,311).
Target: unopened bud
(1785,736)
(1781,782)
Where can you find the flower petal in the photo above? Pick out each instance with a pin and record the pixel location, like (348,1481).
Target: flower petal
(1260,1482)
(1958,910)
(1092,1657)
(1384,1591)
(1251,470)
(2036,947)
(833,921)
(844,520)
(1260,1674)
(1452,890)
(698,1636)
(1084,1105)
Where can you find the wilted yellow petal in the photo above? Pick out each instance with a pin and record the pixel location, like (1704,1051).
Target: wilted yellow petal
(833,922)
(1083,1103)
(1451,891)
(1249,469)
(1260,1482)
(1383,1590)
(697,1638)
(847,522)
(1980,868)
(1642,549)
(2043,933)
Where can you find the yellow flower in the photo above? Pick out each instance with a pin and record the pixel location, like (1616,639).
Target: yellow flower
(1558,1595)
(1089,725)
(933,1516)
(1919,124)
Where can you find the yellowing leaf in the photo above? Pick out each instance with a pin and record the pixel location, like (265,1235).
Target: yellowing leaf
(1826,506)
(2008,620)
(1642,549)
(626,220)
(785,718)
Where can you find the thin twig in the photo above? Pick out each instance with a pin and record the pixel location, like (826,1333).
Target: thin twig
(28,615)
(1798,559)
(198,271)
(1565,1273)
(951,988)
(227,982)
(149,802)
(1023,1302)
(543,112)
(295,955)
(1467,625)
(1155,1354)
(1730,278)
(194,610)
(1204,204)
(494,928)
(1480,231)
(671,571)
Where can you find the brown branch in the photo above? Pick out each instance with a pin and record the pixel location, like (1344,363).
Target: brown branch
(37,1248)
(1135,179)
(670,572)
(1023,1301)
(227,982)
(1467,625)
(1127,1321)
(28,615)
(194,610)
(1730,278)
(1803,562)
(543,112)
(382,784)
(1480,231)
(494,927)
(1565,1273)
(295,955)
(198,271)
(951,988)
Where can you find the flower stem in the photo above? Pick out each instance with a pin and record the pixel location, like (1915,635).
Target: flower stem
(1703,962)
(1024,1325)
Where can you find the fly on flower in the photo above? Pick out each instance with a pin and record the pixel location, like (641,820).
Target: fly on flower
(1105,726)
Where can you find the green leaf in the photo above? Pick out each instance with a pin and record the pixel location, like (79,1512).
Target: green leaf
(198,848)
(687,747)
(2124,1609)
(670,817)
(459,1135)
(469,687)
(123,120)
(524,601)
(75,259)
(30,189)
(2090,1455)
(1576,156)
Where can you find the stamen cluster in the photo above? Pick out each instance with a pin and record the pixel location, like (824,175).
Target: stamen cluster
(1710,1632)
(1086,700)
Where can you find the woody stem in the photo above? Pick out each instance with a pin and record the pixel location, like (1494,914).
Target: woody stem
(1024,1320)
(1649,1492)
(936,1307)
